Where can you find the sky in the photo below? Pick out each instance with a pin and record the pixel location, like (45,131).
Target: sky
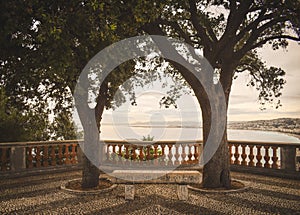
(243,101)
(243,106)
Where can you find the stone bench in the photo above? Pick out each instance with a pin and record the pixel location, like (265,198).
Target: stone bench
(132,177)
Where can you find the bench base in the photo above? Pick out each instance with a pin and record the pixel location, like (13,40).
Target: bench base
(180,178)
(129,191)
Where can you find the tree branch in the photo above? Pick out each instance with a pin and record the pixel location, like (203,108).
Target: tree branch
(255,35)
(252,25)
(154,29)
(235,18)
(207,43)
(178,29)
(262,42)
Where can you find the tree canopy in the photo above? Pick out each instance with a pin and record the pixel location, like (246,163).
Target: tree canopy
(45,45)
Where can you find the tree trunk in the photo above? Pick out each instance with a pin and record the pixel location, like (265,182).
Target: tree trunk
(90,174)
(91,119)
(216,172)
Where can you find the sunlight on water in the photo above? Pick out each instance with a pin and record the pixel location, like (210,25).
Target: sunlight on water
(124,132)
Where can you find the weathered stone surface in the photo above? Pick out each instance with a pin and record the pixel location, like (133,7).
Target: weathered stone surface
(288,158)
(40,194)
(157,176)
(18,160)
(182,192)
(129,192)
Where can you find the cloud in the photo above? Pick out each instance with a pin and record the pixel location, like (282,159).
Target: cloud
(241,99)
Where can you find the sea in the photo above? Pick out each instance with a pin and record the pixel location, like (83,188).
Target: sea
(112,132)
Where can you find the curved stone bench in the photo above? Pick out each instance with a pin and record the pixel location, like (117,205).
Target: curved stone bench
(181,178)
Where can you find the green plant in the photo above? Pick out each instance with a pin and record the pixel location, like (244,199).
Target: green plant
(148,138)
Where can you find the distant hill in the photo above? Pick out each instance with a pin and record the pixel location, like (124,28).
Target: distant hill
(286,125)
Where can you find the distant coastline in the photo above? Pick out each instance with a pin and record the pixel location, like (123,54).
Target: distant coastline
(288,126)
(297,135)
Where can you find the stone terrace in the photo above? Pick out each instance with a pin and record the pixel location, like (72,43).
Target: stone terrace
(42,195)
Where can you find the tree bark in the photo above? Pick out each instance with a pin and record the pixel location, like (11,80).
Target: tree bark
(90,119)
(90,174)
(216,172)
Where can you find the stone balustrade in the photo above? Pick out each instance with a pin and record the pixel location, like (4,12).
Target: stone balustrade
(37,155)
(156,154)
(265,155)
(45,154)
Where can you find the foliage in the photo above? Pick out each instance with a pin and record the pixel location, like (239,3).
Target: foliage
(17,126)
(229,32)
(148,138)
(45,45)
(63,127)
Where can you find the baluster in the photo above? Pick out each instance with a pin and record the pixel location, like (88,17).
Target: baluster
(107,152)
(3,159)
(126,154)
(117,158)
(177,155)
(244,155)
(230,153)
(67,154)
(190,154)
(170,155)
(133,153)
(148,154)
(155,151)
(258,156)
(53,155)
(141,156)
(236,154)
(267,157)
(45,156)
(120,153)
(38,156)
(251,156)
(155,155)
(114,155)
(163,155)
(197,153)
(30,157)
(60,154)
(274,157)
(73,153)
(183,155)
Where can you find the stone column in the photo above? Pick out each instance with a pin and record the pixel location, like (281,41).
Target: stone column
(18,158)
(288,158)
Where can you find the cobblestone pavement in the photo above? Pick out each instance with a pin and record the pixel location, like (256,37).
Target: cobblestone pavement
(42,195)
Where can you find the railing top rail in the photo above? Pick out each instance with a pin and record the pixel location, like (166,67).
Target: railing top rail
(139,142)
(58,142)
(279,144)
(38,143)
